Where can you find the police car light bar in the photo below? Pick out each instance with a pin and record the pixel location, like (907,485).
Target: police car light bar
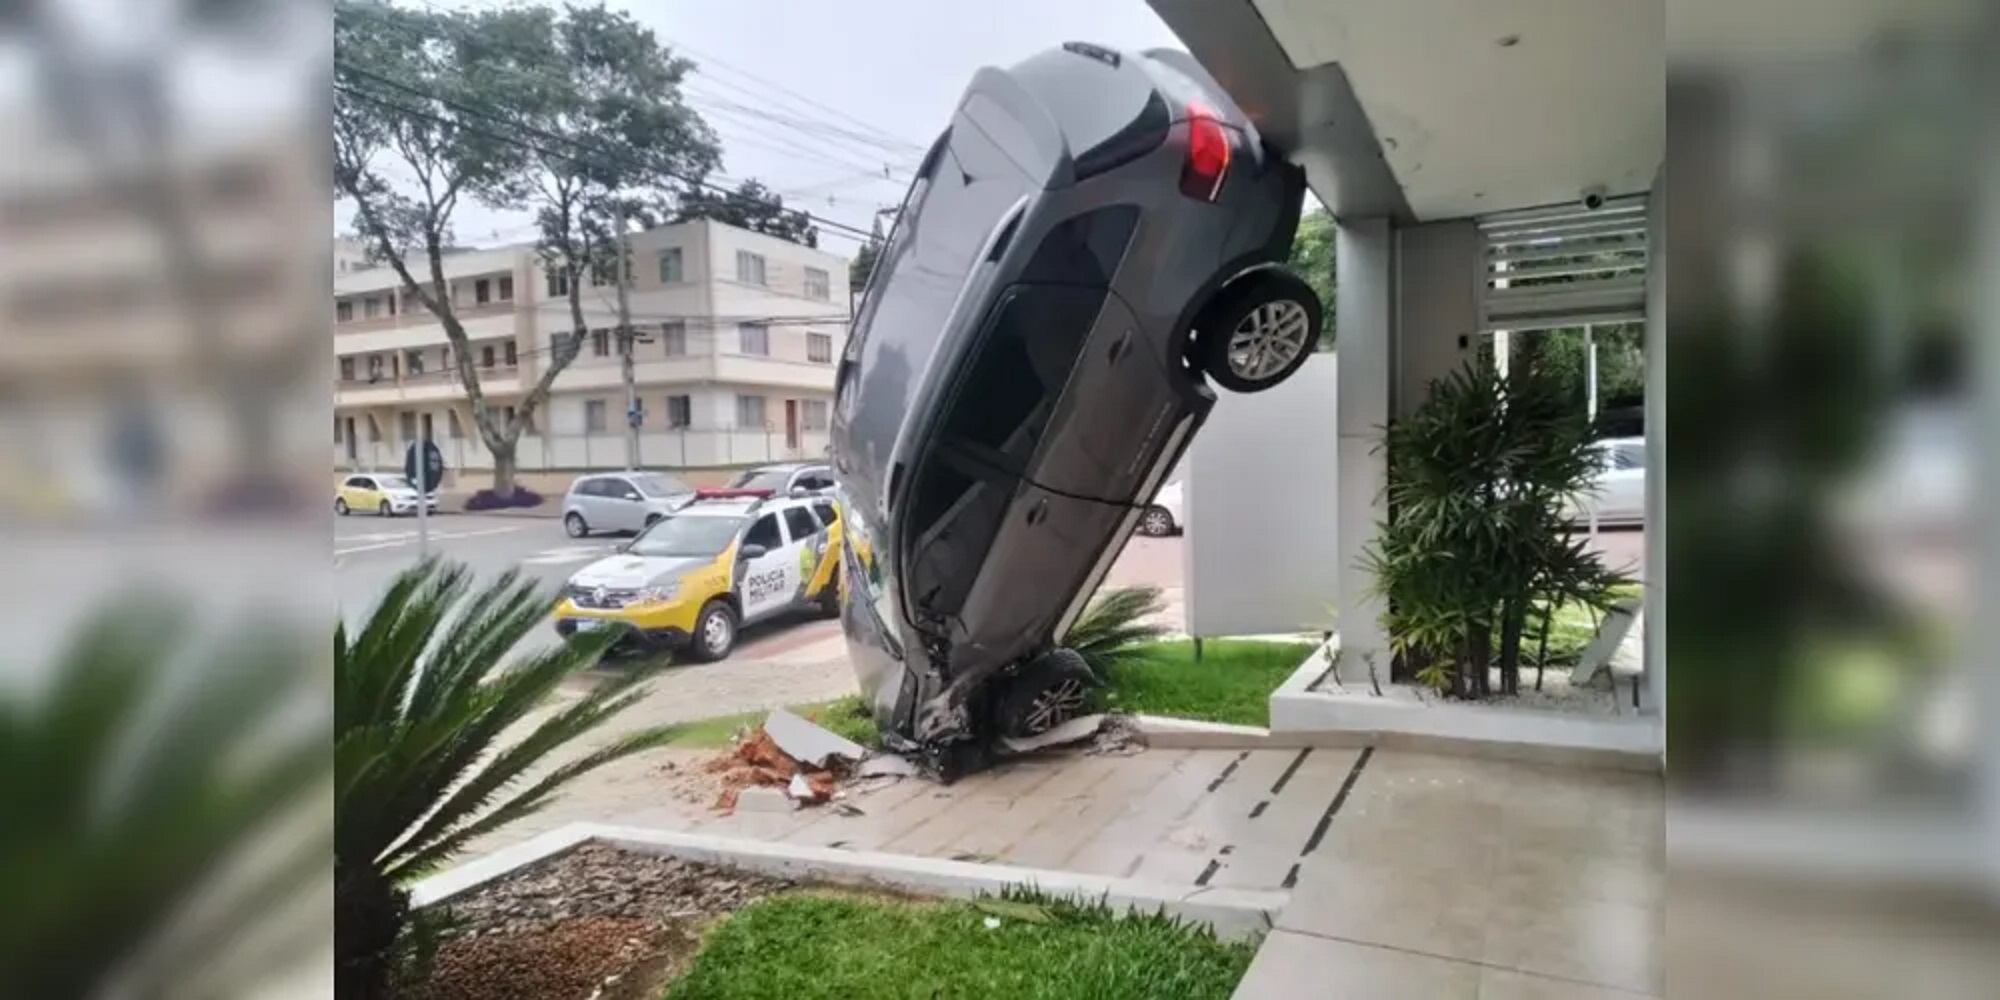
(711,493)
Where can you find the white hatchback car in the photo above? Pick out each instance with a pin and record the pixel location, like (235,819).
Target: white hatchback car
(621,501)
(1166,515)
(1618,491)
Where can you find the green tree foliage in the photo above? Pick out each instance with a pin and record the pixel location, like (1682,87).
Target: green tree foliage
(1114,626)
(574,114)
(426,756)
(1313,260)
(863,265)
(754,207)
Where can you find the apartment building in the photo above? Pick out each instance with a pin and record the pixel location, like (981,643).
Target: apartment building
(737,337)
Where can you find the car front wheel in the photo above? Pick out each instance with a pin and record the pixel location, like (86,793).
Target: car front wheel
(385,510)
(714,632)
(1258,331)
(1049,692)
(1156,522)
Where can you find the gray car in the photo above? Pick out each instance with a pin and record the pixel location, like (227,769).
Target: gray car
(1094,242)
(786,479)
(621,502)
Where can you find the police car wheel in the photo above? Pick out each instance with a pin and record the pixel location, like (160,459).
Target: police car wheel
(714,632)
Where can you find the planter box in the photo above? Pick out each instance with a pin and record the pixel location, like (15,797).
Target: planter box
(1399,718)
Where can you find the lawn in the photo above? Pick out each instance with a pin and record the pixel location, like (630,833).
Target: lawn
(1232,683)
(819,945)
(847,716)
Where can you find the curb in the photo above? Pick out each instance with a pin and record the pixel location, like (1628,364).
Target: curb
(1232,913)
(1167,733)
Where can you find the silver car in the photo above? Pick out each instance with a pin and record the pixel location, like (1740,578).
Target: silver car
(621,501)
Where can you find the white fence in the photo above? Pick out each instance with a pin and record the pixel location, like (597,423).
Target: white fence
(673,449)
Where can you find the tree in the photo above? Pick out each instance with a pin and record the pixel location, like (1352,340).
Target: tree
(422,699)
(595,131)
(754,207)
(863,266)
(1313,260)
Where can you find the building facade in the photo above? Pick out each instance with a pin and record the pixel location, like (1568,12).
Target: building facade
(736,338)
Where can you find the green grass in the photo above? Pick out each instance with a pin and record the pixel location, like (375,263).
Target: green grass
(847,716)
(817,945)
(1232,683)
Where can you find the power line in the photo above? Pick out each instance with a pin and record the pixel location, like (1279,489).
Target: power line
(835,228)
(781,88)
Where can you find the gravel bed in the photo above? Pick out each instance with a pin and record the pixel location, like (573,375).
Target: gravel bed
(598,921)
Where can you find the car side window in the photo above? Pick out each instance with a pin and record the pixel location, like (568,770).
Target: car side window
(800,522)
(764,533)
(360,483)
(1630,456)
(587,487)
(827,514)
(619,489)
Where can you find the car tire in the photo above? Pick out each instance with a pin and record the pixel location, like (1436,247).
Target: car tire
(1156,522)
(575,525)
(829,600)
(340,506)
(1051,690)
(385,510)
(714,632)
(1258,331)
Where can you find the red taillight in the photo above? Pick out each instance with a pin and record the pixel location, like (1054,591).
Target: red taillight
(712,493)
(1208,154)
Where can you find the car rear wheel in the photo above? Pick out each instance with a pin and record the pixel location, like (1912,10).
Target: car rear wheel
(340,506)
(1258,331)
(714,632)
(574,524)
(1049,692)
(1156,522)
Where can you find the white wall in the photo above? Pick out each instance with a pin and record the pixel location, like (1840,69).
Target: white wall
(1262,477)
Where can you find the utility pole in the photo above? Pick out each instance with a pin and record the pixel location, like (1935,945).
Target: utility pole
(632,413)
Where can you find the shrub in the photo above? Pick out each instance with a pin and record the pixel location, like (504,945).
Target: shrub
(1113,627)
(422,700)
(489,500)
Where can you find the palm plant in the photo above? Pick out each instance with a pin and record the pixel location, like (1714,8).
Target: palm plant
(1110,630)
(422,702)
(145,782)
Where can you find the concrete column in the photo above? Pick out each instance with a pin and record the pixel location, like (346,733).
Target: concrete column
(1438,277)
(1365,276)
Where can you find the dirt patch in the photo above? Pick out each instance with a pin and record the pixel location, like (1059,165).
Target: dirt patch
(597,918)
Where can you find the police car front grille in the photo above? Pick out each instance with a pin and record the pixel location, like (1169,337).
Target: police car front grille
(587,597)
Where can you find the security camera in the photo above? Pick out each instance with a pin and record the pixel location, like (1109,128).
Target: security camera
(1593,198)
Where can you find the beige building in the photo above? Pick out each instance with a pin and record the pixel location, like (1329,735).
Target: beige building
(738,334)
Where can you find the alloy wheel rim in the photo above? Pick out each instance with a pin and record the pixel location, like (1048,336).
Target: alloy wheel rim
(715,632)
(1056,705)
(1156,522)
(1268,340)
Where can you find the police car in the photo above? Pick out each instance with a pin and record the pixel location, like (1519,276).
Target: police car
(692,580)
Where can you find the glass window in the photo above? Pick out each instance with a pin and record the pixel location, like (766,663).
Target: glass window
(407,424)
(688,536)
(750,268)
(512,354)
(486,356)
(680,411)
(361,482)
(413,362)
(765,533)
(558,285)
(818,285)
(482,291)
(828,515)
(593,415)
(763,479)
(670,266)
(753,338)
(674,339)
(457,428)
(819,347)
(654,484)
(347,369)
(800,522)
(812,414)
(343,311)
(506,288)
(600,343)
(750,413)
(1629,456)
(371,307)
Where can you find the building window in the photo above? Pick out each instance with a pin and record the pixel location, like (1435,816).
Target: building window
(818,285)
(753,338)
(593,416)
(407,423)
(486,356)
(482,291)
(506,288)
(819,347)
(374,430)
(413,362)
(680,411)
(390,299)
(374,368)
(457,426)
(674,339)
(512,355)
(343,311)
(670,266)
(371,307)
(750,413)
(558,284)
(749,267)
(812,414)
(347,369)
(600,343)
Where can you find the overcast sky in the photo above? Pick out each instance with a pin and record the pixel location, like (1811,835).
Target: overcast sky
(889,70)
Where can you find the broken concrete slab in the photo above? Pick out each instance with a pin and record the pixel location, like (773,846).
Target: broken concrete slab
(808,743)
(1074,731)
(763,798)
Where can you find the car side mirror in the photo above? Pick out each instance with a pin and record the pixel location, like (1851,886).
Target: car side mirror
(633,497)
(799,491)
(752,551)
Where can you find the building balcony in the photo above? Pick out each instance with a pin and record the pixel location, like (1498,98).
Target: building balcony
(428,387)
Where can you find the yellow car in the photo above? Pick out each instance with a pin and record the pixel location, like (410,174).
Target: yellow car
(690,582)
(384,494)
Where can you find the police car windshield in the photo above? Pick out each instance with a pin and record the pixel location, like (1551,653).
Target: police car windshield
(687,536)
